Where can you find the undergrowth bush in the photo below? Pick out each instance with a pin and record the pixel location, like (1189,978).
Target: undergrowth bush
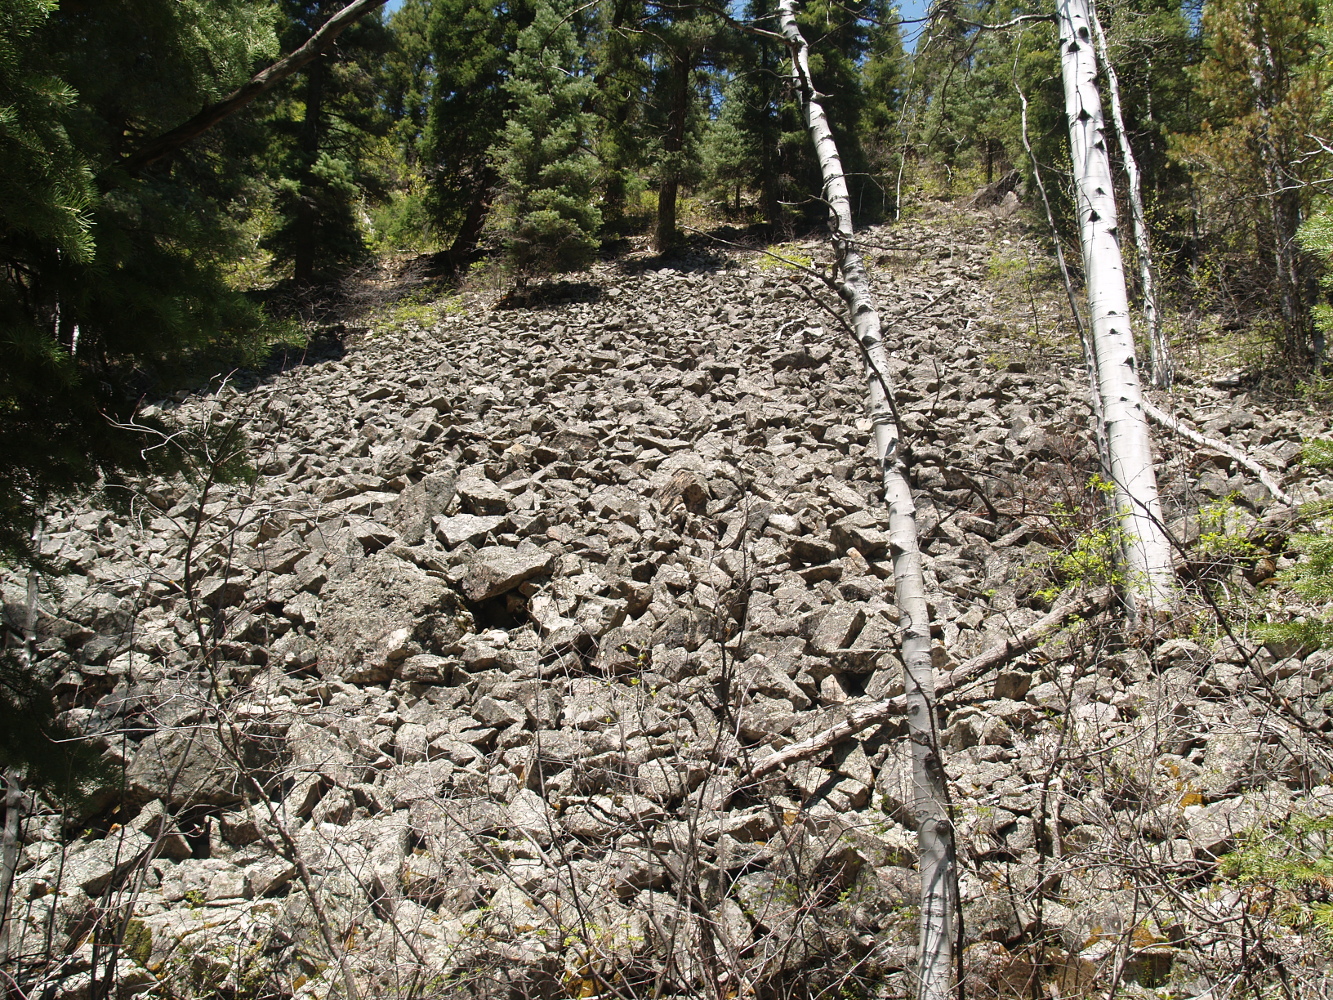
(1312,576)
(1289,872)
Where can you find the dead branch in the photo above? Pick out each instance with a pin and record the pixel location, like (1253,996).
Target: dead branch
(869,715)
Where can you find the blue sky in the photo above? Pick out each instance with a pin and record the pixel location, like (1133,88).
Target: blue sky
(912,10)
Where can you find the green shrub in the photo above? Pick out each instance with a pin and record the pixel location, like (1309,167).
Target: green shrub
(1290,868)
(402,223)
(1312,576)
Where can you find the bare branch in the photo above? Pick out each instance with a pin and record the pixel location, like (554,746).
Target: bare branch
(865,716)
(1179,428)
(266,79)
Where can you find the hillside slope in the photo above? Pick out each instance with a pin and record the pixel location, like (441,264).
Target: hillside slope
(456,695)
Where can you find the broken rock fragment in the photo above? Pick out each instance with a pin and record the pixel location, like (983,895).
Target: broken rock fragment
(390,611)
(498,569)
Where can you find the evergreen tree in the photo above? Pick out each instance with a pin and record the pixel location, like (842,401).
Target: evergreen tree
(471,42)
(322,163)
(1154,50)
(682,37)
(884,74)
(1261,82)
(839,36)
(972,77)
(406,77)
(545,166)
(108,279)
(769,120)
(758,138)
(403,82)
(622,76)
(731,152)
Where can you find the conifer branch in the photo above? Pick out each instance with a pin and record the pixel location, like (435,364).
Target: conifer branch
(266,79)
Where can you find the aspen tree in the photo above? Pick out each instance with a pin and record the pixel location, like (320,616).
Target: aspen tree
(935,833)
(1147,552)
(1162,364)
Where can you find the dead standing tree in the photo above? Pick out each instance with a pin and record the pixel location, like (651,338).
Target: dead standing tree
(940,916)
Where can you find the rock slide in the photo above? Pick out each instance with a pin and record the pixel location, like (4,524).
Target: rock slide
(463,681)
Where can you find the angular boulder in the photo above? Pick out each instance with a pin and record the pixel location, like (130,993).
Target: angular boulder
(392,610)
(498,569)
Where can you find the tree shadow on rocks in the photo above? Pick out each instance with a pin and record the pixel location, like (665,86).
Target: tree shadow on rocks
(326,344)
(550,294)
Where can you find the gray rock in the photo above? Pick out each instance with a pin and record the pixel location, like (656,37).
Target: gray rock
(481,496)
(412,512)
(837,629)
(469,528)
(1233,762)
(186,767)
(498,569)
(604,817)
(391,610)
(1012,685)
(96,867)
(497,713)
(860,531)
(686,628)
(1213,830)
(154,821)
(427,668)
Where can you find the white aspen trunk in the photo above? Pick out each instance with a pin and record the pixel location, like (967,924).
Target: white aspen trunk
(935,835)
(9,857)
(1150,579)
(1163,367)
(9,844)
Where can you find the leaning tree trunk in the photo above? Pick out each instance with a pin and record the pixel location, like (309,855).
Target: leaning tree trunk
(1149,576)
(1163,367)
(265,80)
(935,835)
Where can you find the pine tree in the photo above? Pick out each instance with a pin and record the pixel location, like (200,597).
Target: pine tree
(406,77)
(682,37)
(839,37)
(761,115)
(108,279)
(1261,80)
(755,137)
(973,76)
(884,75)
(622,76)
(731,152)
(403,81)
(471,42)
(545,166)
(1153,50)
(322,163)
